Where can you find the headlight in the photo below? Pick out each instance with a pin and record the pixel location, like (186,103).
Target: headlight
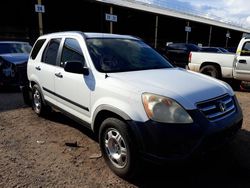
(164,110)
(6,64)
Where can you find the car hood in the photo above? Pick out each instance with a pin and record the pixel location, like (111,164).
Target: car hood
(186,87)
(17,58)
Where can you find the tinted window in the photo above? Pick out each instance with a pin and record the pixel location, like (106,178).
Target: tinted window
(223,50)
(36,48)
(193,47)
(71,51)
(178,46)
(50,53)
(15,47)
(120,55)
(246,49)
(210,50)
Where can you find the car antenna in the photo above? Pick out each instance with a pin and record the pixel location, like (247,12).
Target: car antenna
(106,75)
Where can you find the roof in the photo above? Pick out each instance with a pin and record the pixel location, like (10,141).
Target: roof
(168,12)
(14,42)
(107,35)
(90,35)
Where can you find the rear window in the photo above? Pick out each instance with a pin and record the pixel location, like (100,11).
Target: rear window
(51,51)
(37,48)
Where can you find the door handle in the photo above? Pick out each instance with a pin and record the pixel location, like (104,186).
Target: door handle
(38,68)
(59,75)
(243,61)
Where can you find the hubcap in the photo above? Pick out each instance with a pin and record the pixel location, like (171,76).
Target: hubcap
(37,101)
(116,148)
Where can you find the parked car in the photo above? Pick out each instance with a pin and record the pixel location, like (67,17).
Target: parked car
(13,62)
(214,49)
(232,49)
(132,98)
(178,53)
(232,66)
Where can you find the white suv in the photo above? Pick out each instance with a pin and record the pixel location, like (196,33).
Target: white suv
(138,104)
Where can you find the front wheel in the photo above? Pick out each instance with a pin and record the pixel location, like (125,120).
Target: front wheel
(117,148)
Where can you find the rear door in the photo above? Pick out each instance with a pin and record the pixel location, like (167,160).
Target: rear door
(46,67)
(73,90)
(242,63)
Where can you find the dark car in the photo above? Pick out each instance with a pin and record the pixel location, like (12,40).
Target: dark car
(232,49)
(214,49)
(13,62)
(178,53)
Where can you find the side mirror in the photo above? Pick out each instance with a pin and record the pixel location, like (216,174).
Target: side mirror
(76,67)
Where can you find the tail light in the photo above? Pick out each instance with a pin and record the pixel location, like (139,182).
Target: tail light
(190,57)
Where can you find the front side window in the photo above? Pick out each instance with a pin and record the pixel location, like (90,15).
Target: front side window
(246,49)
(51,51)
(71,52)
(121,55)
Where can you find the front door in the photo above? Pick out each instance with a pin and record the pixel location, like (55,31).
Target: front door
(73,90)
(242,63)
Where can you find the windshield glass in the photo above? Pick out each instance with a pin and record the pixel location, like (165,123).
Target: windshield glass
(6,48)
(121,55)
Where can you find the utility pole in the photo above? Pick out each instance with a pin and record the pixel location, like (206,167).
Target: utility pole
(40,9)
(187,29)
(156,30)
(111,23)
(227,38)
(210,35)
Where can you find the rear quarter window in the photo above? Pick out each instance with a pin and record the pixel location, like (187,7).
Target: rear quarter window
(37,48)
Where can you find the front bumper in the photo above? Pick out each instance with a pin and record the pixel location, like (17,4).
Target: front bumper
(160,142)
(14,75)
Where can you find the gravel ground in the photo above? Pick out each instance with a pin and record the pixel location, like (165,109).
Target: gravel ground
(35,152)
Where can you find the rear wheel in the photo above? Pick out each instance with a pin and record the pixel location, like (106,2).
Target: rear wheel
(117,148)
(38,104)
(211,70)
(26,95)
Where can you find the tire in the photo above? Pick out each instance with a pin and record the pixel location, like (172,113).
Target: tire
(117,148)
(236,85)
(211,70)
(38,104)
(26,95)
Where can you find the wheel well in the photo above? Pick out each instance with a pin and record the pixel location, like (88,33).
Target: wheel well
(101,116)
(216,65)
(32,83)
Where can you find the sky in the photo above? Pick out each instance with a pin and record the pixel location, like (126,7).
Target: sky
(235,11)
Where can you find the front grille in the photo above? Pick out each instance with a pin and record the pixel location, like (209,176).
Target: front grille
(21,73)
(217,108)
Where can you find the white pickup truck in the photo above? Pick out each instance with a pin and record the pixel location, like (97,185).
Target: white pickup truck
(224,65)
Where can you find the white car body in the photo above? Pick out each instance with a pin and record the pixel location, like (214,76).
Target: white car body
(94,97)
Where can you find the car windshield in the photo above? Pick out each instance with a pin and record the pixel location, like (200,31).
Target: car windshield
(223,50)
(121,55)
(6,48)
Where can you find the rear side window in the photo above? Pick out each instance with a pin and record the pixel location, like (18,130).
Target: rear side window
(37,48)
(71,52)
(51,51)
